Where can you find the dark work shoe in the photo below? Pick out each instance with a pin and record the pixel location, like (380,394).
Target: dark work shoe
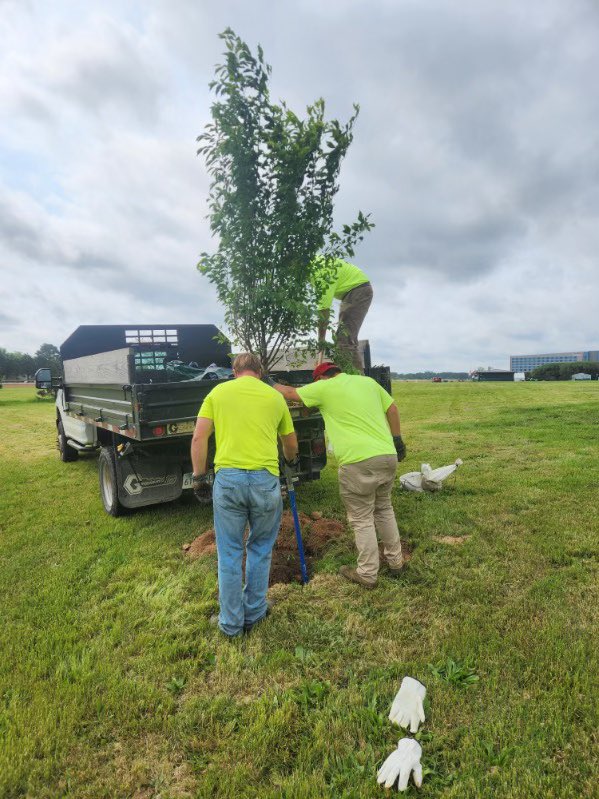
(396,572)
(248,627)
(353,576)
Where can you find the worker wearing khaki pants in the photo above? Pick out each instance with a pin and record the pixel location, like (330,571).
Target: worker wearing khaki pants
(363,426)
(351,286)
(365,489)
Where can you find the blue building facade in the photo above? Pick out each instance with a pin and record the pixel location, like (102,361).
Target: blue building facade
(526,363)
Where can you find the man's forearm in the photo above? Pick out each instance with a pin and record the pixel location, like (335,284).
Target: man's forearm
(393,420)
(289,392)
(290,447)
(199,454)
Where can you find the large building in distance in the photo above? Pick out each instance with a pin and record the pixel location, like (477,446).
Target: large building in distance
(526,363)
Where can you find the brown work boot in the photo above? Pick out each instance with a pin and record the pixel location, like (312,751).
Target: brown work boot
(353,576)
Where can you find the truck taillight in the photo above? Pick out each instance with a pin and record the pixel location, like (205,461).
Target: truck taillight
(318,446)
(158,431)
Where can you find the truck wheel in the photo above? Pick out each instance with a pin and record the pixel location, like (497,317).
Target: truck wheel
(108,482)
(67,454)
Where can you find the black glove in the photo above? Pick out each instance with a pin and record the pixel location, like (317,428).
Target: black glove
(293,463)
(268,380)
(400,447)
(202,488)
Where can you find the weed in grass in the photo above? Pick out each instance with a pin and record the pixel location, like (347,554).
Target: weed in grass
(454,673)
(311,693)
(304,655)
(176,685)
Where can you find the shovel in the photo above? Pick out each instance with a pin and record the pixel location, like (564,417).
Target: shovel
(296,523)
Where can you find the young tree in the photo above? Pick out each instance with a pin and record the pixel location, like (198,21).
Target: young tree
(274,178)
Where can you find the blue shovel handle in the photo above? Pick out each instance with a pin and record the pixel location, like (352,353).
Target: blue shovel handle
(296,524)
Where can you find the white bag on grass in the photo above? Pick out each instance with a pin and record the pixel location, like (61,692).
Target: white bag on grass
(428,479)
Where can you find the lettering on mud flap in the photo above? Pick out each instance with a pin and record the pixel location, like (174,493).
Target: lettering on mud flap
(134,485)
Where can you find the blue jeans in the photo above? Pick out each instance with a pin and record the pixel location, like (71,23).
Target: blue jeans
(242,497)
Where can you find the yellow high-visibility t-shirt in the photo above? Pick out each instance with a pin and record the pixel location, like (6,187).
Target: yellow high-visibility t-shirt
(353,408)
(348,277)
(247,416)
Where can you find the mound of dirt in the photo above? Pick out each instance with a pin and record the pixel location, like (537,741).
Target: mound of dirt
(317,535)
(204,544)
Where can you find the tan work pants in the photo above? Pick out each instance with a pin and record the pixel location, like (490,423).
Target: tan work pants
(365,489)
(354,307)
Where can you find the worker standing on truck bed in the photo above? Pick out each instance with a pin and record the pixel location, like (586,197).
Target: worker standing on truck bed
(246,416)
(363,426)
(352,286)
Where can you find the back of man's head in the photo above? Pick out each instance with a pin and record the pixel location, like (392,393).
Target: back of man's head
(247,362)
(325,370)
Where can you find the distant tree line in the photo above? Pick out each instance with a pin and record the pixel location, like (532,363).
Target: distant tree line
(563,371)
(20,365)
(429,375)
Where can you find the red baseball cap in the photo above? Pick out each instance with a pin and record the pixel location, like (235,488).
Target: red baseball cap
(322,368)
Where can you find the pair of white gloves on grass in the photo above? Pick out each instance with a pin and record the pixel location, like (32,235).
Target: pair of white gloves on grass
(407,710)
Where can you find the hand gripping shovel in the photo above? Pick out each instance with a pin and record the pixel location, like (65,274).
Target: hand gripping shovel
(296,523)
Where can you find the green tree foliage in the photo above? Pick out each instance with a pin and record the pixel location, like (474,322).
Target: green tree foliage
(273,180)
(48,355)
(564,371)
(549,371)
(20,365)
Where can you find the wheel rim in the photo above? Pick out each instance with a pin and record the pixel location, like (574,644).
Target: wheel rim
(107,485)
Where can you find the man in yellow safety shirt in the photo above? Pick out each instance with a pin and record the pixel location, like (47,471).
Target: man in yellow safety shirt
(246,416)
(352,286)
(363,426)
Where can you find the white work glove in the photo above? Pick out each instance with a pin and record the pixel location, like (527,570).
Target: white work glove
(402,762)
(407,708)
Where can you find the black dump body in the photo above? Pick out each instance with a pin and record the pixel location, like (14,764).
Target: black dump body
(153,346)
(117,377)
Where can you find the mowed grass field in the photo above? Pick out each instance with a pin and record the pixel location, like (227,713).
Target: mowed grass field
(113,683)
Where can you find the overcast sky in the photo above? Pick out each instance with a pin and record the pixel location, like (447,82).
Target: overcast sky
(476,151)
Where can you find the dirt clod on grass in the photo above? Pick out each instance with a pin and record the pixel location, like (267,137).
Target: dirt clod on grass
(451,540)
(317,535)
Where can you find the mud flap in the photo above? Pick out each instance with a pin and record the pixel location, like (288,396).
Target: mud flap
(148,481)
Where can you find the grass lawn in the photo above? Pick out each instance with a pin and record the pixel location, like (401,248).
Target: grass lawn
(113,683)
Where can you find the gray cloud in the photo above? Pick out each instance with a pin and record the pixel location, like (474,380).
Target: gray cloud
(476,152)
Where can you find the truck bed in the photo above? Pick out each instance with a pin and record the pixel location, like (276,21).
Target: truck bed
(141,411)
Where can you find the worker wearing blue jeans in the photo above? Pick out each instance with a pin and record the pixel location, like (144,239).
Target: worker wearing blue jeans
(241,497)
(246,416)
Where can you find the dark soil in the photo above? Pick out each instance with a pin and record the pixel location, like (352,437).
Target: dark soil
(317,534)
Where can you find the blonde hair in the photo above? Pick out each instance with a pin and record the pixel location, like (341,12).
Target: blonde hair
(247,362)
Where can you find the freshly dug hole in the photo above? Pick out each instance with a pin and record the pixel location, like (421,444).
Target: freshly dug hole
(317,536)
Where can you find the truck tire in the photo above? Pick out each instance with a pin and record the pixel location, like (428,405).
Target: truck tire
(67,454)
(108,482)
